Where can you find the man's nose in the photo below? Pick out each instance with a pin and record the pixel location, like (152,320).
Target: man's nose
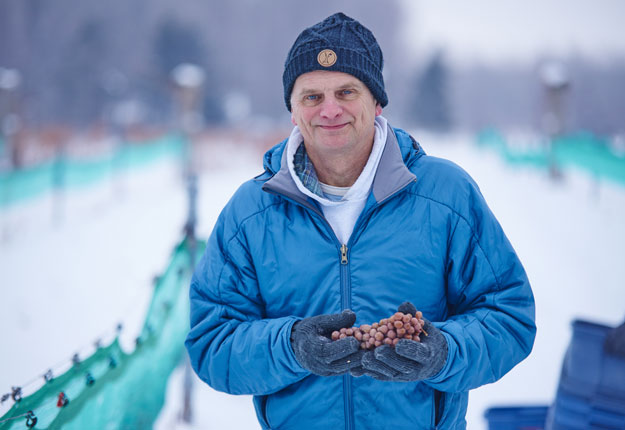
(331,108)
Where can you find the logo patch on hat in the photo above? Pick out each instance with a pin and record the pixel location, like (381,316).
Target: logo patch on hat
(326,58)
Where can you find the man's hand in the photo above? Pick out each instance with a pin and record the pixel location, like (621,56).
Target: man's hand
(409,360)
(316,352)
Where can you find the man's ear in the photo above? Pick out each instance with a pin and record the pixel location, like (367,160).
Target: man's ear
(378,109)
(293,119)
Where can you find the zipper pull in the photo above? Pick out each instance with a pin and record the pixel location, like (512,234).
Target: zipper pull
(344,254)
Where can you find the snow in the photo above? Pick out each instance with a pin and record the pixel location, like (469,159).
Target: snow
(72,270)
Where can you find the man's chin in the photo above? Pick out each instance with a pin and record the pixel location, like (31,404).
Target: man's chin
(336,146)
(333,134)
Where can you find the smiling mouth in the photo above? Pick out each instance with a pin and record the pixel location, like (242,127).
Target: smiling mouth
(333,127)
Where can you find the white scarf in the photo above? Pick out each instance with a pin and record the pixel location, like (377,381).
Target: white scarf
(342,215)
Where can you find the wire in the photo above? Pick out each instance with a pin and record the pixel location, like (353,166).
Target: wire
(15,417)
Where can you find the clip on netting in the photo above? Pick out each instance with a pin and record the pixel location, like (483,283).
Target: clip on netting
(62,401)
(31,420)
(16,395)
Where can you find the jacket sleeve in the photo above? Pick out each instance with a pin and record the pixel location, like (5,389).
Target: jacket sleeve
(232,346)
(490,326)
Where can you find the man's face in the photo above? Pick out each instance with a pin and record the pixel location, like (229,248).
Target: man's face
(335,112)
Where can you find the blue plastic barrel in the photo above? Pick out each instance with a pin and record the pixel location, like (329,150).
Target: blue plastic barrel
(516,418)
(591,390)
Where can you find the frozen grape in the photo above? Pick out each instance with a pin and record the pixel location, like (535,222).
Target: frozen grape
(387,331)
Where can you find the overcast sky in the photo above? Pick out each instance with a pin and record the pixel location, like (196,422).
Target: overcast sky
(496,30)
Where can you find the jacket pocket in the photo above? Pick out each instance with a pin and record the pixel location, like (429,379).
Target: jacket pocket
(260,404)
(439,407)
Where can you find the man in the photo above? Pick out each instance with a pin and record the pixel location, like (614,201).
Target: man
(349,220)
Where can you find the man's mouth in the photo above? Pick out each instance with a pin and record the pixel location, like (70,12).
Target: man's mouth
(333,127)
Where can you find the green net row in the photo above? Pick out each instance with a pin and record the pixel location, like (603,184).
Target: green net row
(112,389)
(582,150)
(65,172)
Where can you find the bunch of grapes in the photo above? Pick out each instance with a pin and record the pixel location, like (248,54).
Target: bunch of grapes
(387,331)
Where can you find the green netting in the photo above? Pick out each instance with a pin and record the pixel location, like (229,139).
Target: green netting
(592,153)
(138,154)
(581,150)
(25,183)
(64,172)
(128,391)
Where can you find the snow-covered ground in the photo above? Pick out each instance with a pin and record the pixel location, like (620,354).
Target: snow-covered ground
(72,266)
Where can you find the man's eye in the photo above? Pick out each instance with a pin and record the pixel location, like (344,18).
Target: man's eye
(312,97)
(347,92)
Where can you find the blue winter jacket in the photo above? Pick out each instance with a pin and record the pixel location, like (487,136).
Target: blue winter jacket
(425,235)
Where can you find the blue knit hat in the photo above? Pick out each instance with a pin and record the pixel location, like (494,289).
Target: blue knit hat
(341,44)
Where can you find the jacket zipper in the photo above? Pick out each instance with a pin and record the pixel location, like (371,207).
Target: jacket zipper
(344,259)
(346,304)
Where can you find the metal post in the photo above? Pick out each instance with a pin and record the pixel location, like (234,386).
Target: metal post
(188,80)
(556,82)
(10,124)
(187,410)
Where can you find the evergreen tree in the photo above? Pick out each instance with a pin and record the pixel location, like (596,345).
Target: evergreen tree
(81,72)
(431,103)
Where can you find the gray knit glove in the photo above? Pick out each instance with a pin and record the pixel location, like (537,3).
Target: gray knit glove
(315,350)
(409,360)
